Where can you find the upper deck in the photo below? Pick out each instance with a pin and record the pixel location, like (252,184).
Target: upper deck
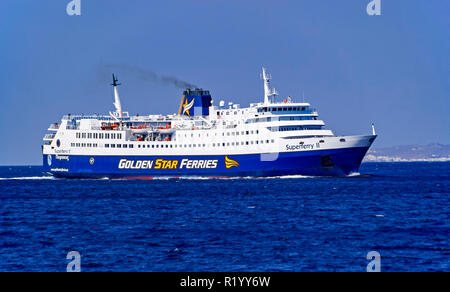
(197,117)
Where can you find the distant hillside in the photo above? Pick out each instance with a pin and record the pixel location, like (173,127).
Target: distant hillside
(431,152)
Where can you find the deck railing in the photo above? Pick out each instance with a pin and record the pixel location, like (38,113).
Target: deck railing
(49,136)
(53,127)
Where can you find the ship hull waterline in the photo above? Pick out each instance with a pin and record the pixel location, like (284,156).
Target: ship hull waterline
(326,162)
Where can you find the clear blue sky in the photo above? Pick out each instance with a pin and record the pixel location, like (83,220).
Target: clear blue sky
(393,69)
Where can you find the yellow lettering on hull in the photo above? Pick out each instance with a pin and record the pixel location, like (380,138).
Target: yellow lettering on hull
(166,164)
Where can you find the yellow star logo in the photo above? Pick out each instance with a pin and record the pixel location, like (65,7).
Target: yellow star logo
(184,106)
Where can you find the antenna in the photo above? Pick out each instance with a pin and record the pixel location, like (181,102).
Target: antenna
(115,81)
(117,103)
(268,92)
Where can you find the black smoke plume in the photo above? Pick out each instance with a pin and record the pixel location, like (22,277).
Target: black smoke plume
(147,75)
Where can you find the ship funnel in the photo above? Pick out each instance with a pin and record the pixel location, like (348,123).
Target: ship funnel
(195,102)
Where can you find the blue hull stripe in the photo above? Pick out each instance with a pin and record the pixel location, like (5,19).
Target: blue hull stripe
(335,162)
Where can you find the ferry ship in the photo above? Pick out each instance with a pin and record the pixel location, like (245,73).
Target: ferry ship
(277,137)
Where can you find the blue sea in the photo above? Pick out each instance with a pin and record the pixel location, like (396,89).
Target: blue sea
(400,210)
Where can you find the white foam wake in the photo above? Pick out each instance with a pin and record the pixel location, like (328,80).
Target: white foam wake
(28,178)
(354,174)
(215,178)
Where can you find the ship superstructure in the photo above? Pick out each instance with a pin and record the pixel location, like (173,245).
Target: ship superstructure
(272,138)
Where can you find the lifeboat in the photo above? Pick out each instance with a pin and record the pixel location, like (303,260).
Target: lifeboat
(110,127)
(166,130)
(139,127)
(141,130)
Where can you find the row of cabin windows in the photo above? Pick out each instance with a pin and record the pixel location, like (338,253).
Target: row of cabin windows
(90,145)
(229,134)
(227,113)
(84,145)
(119,146)
(294,128)
(281,109)
(204,145)
(99,136)
(297,118)
(276,119)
